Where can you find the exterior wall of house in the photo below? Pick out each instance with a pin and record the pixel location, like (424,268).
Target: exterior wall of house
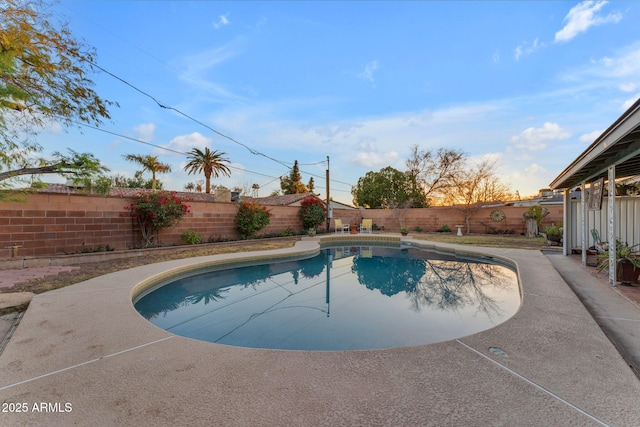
(53,223)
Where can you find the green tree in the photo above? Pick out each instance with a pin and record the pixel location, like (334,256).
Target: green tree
(136,182)
(149,163)
(44,77)
(292,184)
(388,188)
(207,162)
(80,167)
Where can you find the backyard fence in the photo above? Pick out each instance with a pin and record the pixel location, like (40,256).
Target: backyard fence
(627,223)
(55,224)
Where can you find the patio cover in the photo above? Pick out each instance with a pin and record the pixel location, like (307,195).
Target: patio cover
(618,146)
(613,155)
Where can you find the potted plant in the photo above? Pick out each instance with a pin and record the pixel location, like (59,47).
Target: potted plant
(404,230)
(553,234)
(628,267)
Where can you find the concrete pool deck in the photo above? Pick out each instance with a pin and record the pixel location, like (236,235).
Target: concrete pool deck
(83,355)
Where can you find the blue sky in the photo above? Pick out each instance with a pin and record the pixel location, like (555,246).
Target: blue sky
(529,84)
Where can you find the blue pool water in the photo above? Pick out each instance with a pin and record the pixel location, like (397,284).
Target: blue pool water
(345,298)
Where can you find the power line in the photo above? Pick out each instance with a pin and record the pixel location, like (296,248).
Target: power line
(163,148)
(251,150)
(161,105)
(273,178)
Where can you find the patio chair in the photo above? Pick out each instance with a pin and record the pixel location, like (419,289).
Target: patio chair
(340,226)
(366,225)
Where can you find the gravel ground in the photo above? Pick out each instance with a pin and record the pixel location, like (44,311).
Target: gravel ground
(89,270)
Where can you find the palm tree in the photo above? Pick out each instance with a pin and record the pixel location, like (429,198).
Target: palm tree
(149,163)
(208,162)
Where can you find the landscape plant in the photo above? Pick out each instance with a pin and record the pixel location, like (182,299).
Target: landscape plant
(251,218)
(155,211)
(312,212)
(191,237)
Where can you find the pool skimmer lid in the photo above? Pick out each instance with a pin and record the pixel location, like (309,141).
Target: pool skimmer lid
(498,352)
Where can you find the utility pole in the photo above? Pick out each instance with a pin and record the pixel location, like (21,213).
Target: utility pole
(329,213)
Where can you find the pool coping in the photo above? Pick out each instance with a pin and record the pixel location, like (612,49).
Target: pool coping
(86,346)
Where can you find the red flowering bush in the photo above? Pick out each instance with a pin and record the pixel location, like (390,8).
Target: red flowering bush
(251,218)
(312,212)
(155,211)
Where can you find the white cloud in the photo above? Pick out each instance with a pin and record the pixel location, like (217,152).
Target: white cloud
(527,49)
(375,160)
(185,143)
(628,87)
(534,169)
(535,139)
(627,64)
(369,70)
(238,168)
(621,69)
(629,102)
(145,132)
(524,180)
(331,131)
(199,64)
(590,137)
(196,70)
(517,52)
(584,16)
(221,22)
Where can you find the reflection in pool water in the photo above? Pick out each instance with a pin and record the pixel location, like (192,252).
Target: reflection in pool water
(345,298)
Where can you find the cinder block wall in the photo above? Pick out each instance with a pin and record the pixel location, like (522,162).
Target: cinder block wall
(46,224)
(432,219)
(54,223)
(215,221)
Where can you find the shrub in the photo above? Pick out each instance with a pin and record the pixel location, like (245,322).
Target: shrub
(498,232)
(444,229)
(553,230)
(191,237)
(156,211)
(286,233)
(312,212)
(537,213)
(251,218)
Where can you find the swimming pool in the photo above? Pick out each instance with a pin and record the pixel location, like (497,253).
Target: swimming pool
(348,297)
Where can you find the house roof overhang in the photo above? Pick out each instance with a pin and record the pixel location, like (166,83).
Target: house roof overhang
(618,146)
